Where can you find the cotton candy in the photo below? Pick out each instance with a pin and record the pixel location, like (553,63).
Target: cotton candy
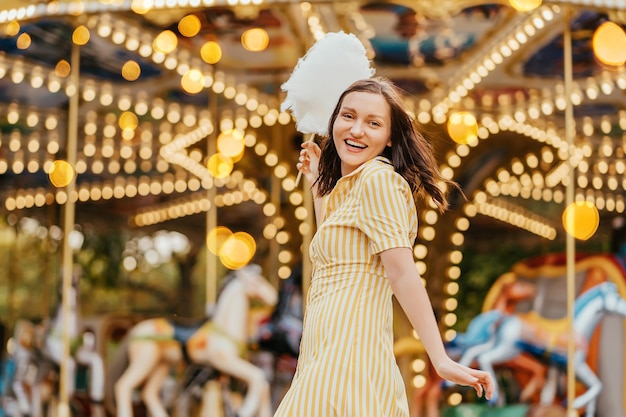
(332,64)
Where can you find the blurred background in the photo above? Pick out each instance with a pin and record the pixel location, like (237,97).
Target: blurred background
(181,145)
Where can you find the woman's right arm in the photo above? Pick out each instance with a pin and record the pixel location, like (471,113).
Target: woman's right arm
(308,164)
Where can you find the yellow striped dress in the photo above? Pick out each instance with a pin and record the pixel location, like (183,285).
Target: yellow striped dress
(346,366)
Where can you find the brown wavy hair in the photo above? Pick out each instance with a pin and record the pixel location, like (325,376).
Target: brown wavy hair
(411,155)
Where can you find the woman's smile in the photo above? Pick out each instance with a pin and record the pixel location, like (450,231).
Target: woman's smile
(362,129)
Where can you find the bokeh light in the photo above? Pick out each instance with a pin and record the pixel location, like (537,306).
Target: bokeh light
(255,40)
(61,173)
(81,35)
(230,144)
(211,52)
(189,26)
(165,42)
(12,28)
(62,69)
(131,70)
(237,250)
(128,121)
(220,166)
(525,5)
(581,219)
(216,238)
(609,44)
(23,41)
(463,127)
(193,81)
(141,6)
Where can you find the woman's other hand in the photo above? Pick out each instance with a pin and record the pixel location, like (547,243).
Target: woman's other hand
(459,374)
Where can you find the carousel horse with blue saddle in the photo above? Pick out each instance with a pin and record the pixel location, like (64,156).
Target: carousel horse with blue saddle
(546,340)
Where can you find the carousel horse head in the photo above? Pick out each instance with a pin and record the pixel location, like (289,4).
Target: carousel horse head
(255,285)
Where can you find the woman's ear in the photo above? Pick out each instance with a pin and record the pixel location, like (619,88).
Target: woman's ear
(389,143)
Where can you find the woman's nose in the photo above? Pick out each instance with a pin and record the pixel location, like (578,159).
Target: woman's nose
(357,129)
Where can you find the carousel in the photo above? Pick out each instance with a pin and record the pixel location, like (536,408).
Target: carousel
(150,196)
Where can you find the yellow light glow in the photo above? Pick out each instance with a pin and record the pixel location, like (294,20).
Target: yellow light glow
(165,42)
(128,121)
(189,25)
(609,44)
(61,173)
(255,40)
(23,41)
(230,143)
(81,35)
(211,52)
(581,219)
(131,70)
(12,28)
(141,6)
(525,5)
(237,250)
(193,81)
(216,238)
(220,166)
(62,69)
(463,127)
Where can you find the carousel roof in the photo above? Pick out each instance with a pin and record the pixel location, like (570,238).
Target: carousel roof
(503,66)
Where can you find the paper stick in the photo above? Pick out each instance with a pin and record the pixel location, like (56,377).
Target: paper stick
(299,171)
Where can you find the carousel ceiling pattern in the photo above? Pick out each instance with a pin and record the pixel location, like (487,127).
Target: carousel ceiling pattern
(143,134)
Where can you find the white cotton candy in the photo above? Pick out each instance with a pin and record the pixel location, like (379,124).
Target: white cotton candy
(331,65)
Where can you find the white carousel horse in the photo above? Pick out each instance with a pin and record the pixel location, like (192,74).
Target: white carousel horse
(154,345)
(547,340)
(82,351)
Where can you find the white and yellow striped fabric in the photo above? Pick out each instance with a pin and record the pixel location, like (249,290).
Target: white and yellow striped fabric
(346,366)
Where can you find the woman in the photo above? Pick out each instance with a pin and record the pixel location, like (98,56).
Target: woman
(365,179)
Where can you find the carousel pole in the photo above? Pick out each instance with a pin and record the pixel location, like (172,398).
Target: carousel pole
(68,226)
(570,243)
(275,192)
(307,267)
(211,216)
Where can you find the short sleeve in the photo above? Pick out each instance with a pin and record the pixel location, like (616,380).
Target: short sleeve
(386,210)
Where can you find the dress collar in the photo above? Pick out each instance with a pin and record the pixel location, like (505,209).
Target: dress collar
(379,158)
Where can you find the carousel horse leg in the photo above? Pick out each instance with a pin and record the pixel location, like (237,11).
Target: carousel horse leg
(257,399)
(96,369)
(486,361)
(87,355)
(594,386)
(548,393)
(19,391)
(143,357)
(537,377)
(151,392)
(212,404)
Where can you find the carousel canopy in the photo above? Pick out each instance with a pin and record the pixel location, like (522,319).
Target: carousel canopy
(176,98)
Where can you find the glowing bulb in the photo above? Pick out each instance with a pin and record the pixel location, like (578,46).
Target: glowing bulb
(581,219)
(609,44)
(61,173)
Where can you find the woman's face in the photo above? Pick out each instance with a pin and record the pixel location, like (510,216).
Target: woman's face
(362,129)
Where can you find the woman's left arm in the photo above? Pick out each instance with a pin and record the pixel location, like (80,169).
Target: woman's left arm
(409,290)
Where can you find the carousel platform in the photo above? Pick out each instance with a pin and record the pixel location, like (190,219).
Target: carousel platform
(484,410)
